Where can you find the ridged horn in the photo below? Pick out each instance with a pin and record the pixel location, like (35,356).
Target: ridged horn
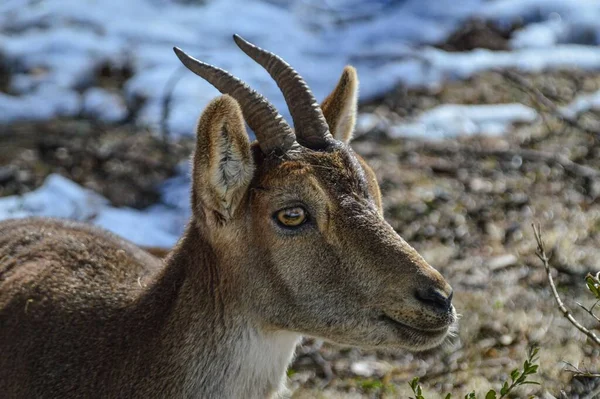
(272,131)
(311,127)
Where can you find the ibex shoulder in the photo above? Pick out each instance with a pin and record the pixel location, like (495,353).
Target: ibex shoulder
(65,256)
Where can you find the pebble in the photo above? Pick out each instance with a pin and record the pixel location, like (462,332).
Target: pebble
(370,368)
(502,261)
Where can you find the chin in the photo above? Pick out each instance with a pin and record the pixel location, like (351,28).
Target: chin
(399,335)
(390,341)
(427,342)
(385,333)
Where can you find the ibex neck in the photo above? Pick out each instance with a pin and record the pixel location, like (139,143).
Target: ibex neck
(226,352)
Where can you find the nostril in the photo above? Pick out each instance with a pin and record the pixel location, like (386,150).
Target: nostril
(434,297)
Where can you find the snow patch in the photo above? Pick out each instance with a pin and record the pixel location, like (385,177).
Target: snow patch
(104,105)
(580,104)
(453,119)
(46,102)
(61,198)
(61,44)
(57,197)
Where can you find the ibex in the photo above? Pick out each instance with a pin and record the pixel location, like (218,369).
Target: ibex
(287,239)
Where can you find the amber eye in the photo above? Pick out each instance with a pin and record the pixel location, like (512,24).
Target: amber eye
(291,217)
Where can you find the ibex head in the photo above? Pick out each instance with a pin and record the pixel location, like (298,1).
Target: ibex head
(296,218)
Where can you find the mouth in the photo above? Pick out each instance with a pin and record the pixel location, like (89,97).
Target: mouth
(402,325)
(416,338)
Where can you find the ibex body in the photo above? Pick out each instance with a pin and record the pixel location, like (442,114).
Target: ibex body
(287,239)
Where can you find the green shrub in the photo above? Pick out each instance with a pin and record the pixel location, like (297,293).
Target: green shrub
(518,377)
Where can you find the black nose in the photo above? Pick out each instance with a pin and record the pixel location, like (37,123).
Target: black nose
(436,298)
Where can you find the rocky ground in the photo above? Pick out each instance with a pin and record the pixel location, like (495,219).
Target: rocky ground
(466,204)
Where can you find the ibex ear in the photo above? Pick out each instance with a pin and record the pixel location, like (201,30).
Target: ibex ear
(339,107)
(222,164)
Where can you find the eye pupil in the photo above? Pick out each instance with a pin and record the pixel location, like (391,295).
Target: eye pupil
(291,217)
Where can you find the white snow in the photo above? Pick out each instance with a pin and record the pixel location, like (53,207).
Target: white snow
(582,103)
(54,48)
(61,44)
(542,34)
(454,119)
(57,197)
(46,102)
(104,105)
(61,198)
(143,228)
(439,65)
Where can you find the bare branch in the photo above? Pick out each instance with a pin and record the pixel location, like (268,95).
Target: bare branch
(540,98)
(166,105)
(577,372)
(540,156)
(590,311)
(541,253)
(527,155)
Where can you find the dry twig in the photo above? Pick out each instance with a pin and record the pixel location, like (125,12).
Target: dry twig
(541,253)
(528,155)
(522,83)
(166,105)
(590,310)
(577,372)
(546,157)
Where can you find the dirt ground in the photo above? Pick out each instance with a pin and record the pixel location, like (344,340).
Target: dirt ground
(466,204)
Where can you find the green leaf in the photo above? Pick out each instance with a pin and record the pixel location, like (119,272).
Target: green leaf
(449,396)
(491,394)
(534,368)
(413,383)
(514,374)
(504,389)
(593,285)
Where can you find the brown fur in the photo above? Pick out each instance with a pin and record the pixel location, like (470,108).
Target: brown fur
(84,313)
(342,101)
(159,252)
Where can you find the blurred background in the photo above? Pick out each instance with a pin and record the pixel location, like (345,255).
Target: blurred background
(479,117)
